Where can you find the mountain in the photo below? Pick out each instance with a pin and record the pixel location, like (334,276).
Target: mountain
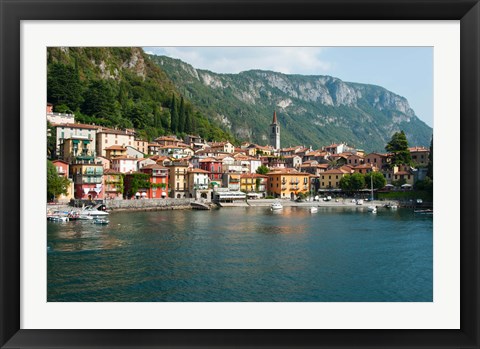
(311,110)
(122,87)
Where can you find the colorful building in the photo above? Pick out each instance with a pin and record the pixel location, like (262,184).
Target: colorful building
(114,186)
(158,181)
(88,180)
(76,148)
(330,179)
(254,183)
(213,166)
(178,179)
(288,183)
(420,155)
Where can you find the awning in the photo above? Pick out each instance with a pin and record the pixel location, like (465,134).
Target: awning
(144,194)
(137,194)
(406,185)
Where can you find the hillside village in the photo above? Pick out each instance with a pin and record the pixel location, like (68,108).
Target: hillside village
(113,164)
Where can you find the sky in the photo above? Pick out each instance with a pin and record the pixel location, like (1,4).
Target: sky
(406,71)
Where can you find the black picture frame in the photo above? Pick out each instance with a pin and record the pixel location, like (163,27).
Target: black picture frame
(14,11)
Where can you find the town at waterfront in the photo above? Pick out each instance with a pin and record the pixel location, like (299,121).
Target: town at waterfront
(91,164)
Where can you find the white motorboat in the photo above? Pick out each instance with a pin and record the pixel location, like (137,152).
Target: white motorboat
(276,206)
(372,209)
(101,221)
(313,209)
(55,218)
(94,211)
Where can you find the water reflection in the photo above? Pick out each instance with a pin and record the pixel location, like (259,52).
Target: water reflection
(243,254)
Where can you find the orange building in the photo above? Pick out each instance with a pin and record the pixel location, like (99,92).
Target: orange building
(288,183)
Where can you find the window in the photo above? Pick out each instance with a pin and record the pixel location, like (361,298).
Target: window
(106,141)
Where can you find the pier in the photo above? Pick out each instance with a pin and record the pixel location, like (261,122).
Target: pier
(199,206)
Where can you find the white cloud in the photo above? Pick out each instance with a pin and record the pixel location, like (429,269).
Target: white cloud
(288,60)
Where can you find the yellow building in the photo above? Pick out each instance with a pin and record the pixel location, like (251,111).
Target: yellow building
(288,183)
(254,183)
(74,148)
(115,151)
(331,179)
(177,179)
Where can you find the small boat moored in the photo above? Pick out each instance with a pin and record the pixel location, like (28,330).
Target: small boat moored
(101,221)
(313,209)
(372,209)
(276,206)
(427,211)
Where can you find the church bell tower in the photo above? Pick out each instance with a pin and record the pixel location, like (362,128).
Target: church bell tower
(275,132)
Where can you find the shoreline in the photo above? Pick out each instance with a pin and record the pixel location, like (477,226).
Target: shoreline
(344,203)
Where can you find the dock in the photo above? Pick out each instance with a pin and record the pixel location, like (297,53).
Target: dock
(199,206)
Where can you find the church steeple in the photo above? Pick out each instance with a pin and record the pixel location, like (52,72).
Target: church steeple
(274,117)
(275,132)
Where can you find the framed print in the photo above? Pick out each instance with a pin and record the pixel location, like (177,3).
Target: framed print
(437,306)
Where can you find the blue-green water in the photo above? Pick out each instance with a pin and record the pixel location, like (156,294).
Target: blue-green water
(244,254)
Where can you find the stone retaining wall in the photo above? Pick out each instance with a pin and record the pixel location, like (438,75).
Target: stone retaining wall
(147,204)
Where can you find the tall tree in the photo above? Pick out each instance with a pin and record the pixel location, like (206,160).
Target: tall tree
(173,115)
(51,141)
(63,86)
(398,146)
(430,161)
(181,116)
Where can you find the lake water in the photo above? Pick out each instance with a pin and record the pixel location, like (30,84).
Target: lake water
(244,254)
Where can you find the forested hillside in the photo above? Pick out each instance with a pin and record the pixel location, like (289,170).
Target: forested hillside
(122,87)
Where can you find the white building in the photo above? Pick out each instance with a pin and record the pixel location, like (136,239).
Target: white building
(124,164)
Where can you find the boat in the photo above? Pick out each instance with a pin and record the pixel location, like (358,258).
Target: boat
(359,202)
(101,221)
(372,209)
(73,215)
(57,218)
(276,206)
(94,211)
(85,217)
(391,206)
(313,209)
(427,211)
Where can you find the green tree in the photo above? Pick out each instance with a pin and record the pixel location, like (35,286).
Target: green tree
(63,86)
(181,116)
(100,101)
(262,169)
(56,184)
(51,141)
(173,115)
(141,115)
(377,178)
(357,181)
(398,146)
(353,182)
(345,183)
(430,161)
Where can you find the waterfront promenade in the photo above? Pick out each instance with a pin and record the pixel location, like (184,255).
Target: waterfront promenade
(321,203)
